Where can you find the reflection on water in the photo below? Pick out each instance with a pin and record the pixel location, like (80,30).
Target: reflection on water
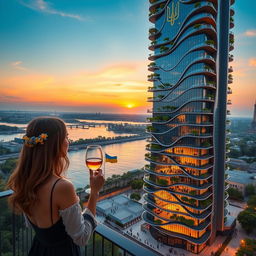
(92,132)
(75,134)
(130,156)
(110,122)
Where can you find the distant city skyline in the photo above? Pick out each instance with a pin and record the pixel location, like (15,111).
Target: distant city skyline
(91,56)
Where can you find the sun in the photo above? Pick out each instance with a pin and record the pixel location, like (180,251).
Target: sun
(130,105)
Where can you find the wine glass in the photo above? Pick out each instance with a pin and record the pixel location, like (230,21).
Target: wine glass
(93,159)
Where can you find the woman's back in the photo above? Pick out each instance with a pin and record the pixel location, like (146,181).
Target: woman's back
(41,211)
(50,235)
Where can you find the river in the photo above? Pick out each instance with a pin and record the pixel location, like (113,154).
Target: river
(130,155)
(73,134)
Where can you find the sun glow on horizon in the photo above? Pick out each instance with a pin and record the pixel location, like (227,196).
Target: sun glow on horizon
(130,105)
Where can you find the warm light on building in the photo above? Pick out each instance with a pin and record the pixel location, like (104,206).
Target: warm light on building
(185,178)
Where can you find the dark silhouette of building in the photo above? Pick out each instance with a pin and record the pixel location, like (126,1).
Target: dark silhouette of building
(254,119)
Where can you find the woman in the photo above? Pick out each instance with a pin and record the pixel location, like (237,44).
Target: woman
(48,200)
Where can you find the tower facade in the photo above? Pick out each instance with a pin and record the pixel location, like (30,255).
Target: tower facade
(185,175)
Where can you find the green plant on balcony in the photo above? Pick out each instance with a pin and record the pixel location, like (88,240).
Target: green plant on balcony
(171,42)
(154,42)
(152,64)
(197,26)
(158,221)
(210,96)
(231,19)
(170,108)
(188,200)
(195,132)
(156,147)
(165,118)
(185,221)
(193,192)
(207,67)
(211,83)
(152,30)
(207,110)
(167,84)
(174,179)
(160,96)
(209,42)
(166,39)
(205,203)
(231,40)
(161,182)
(152,1)
(204,175)
(160,86)
(198,4)
(206,144)
(163,48)
(151,129)
(153,158)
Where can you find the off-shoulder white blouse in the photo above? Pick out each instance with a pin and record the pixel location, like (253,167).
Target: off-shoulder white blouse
(79,224)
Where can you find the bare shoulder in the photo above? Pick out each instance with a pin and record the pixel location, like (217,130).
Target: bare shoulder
(65,186)
(65,194)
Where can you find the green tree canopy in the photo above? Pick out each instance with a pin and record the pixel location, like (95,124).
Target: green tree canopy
(135,196)
(247,248)
(252,201)
(235,194)
(247,219)
(137,184)
(250,190)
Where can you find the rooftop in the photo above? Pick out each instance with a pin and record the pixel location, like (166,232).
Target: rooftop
(241,177)
(120,208)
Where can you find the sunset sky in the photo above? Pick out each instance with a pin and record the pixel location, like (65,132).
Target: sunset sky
(91,56)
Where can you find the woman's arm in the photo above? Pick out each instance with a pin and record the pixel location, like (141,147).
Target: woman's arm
(79,225)
(96,183)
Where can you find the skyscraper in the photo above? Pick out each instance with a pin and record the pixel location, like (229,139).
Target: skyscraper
(185,177)
(254,119)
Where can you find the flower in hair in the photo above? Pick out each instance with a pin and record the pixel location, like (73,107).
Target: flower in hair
(32,141)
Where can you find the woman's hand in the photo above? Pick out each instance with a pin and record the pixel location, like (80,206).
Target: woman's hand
(96,181)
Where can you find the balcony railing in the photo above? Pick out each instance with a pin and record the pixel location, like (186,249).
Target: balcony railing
(16,239)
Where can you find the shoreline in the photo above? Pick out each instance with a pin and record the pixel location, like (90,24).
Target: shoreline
(103,143)
(73,148)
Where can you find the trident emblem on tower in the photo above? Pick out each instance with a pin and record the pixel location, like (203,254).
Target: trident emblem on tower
(174,15)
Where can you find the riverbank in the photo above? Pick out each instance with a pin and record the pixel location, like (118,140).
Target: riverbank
(107,142)
(83,146)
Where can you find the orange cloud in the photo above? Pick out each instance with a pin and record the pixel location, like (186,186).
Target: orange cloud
(117,85)
(252,62)
(250,33)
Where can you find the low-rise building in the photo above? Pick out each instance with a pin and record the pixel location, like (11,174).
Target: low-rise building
(120,210)
(240,179)
(238,164)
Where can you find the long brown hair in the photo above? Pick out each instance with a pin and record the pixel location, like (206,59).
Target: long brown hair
(38,163)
